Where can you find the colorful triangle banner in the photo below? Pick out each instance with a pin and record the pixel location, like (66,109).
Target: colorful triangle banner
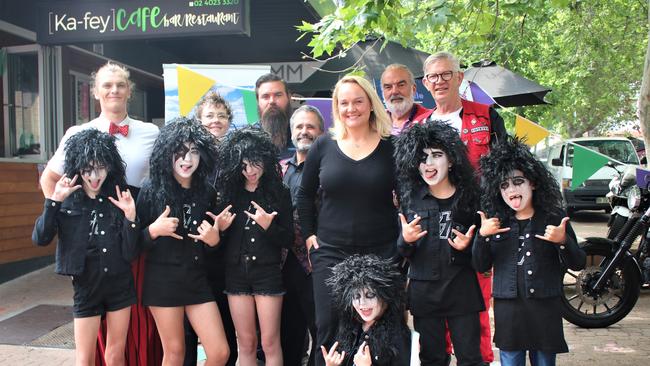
(585,163)
(250,106)
(529,131)
(191,88)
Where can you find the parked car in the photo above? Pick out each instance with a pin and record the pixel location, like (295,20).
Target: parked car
(639,145)
(590,195)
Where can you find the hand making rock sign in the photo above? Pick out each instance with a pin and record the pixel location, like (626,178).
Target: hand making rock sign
(555,234)
(411,231)
(260,216)
(490,226)
(209,233)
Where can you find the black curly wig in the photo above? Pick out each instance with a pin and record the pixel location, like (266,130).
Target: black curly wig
(254,145)
(513,154)
(409,154)
(91,146)
(353,275)
(163,189)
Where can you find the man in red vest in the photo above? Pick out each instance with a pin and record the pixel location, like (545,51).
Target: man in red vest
(479,126)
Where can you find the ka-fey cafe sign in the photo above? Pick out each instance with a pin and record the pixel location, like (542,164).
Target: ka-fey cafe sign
(98,21)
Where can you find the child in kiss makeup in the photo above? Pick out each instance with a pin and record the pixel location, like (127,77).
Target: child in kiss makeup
(97,238)
(439,197)
(369,295)
(175,210)
(528,240)
(250,180)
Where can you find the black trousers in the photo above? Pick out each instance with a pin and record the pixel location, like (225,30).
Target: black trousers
(465,333)
(297,313)
(322,260)
(191,340)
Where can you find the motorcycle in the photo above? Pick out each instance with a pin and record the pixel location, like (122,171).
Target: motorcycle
(620,188)
(609,286)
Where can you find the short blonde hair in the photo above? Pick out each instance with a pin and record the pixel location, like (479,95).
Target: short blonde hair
(112,68)
(379,119)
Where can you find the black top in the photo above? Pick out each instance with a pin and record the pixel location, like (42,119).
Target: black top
(246,237)
(356,198)
(109,235)
(169,250)
(545,263)
(443,283)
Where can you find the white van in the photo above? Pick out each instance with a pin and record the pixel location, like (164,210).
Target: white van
(590,195)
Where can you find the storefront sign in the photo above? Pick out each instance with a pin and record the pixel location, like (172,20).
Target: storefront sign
(103,21)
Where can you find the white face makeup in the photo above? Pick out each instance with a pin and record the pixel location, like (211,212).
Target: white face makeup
(434,167)
(517,192)
(186,161)
(92,178)
(252,173)
(368,306)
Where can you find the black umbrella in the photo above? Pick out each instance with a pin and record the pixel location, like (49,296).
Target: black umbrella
(507,88)
(369,57)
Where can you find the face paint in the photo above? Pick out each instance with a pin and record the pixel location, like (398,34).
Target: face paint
(517,192)
(92,178)
(186,161)
(368,305)
(434,166)
(252,172)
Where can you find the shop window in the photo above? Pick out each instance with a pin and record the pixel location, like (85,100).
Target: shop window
(21,104)
(84,105)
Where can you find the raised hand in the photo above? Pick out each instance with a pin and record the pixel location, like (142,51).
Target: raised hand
(411,231)
(362,357)
(332,358)
(490,226)
(555,234)
(124,202)
(208,233)
(225,218)
(262,217)
(164,226)
(461,241)
(64,188)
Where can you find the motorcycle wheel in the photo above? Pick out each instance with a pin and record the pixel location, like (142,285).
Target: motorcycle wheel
(586,309)
(617,221)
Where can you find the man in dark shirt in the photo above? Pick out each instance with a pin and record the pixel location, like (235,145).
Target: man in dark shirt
(274,109)
(398,88)
(298,308)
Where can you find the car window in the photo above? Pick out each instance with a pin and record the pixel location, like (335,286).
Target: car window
(620,150)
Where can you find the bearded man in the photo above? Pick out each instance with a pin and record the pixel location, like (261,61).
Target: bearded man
(398,88)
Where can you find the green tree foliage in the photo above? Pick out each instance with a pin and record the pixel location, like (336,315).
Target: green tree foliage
(590,52)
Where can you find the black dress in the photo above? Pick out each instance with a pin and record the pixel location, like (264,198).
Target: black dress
(175,271)
(525,323)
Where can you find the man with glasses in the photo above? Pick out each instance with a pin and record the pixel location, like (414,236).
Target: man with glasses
(480,126)
(398,89)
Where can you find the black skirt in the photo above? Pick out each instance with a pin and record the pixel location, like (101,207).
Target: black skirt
(175,285)
(528,324)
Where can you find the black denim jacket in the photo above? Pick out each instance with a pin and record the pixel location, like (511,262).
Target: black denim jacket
(169,250)
(544,264)
(246,237)
(426,255)
(116,244)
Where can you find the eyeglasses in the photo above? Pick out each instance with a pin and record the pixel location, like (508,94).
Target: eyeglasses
(516,181)
(221,117)
(434,78)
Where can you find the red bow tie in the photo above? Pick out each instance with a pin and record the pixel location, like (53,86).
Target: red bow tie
(113,129)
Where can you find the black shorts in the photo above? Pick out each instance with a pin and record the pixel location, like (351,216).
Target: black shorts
(96,293)
(250,278)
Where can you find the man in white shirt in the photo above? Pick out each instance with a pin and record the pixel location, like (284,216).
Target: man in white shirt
(134,139)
